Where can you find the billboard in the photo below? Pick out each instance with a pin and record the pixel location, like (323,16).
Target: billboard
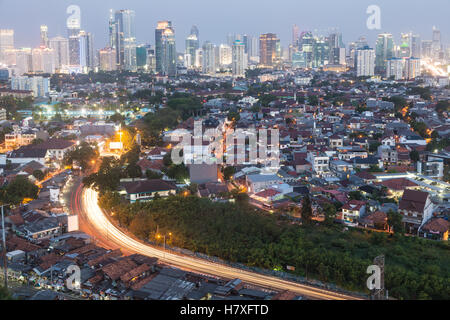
(115,145)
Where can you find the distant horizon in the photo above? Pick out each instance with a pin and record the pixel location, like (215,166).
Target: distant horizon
(216,20)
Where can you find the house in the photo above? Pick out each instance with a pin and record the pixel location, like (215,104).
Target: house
(376,220)
(353,210)
(145,190)
(268,196)
(416,208)
(259,182)
(435,228)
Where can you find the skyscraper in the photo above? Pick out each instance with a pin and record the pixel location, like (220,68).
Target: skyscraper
(73,30)
(225,55)
(107,58)
(125,39)
(365,62)
(192,44)
(60,46)
(268,44)
(168,53)
(295,35)
(384,51)
(436,43)
(209,58)
(44,36)
(394,68)
(159,31)
(239,59)
(6,42)
(412,68)
(86,50)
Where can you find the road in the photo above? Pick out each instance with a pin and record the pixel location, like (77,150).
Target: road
(84,202)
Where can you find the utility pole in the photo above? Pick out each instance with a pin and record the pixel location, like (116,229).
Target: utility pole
(5,263)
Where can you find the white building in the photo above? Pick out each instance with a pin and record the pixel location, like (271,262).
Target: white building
(412,68)
(60,46)
(239,60)
(395,68)
(365,62)
(39,85)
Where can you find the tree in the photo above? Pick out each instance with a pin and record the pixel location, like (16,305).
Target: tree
(133,171)
(330,212)
(355,195)
(38,174)
(150,174)
(85,154)
(19,189)
(306,211)
(228,172)
(4,294)
(395,221)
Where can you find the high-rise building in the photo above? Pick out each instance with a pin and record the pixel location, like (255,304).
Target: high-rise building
(43,60)
(307,43)
(192,44)
(225,55)
(159,31)
(141,56)
(239,59)
(412,68)
(37,84)
(169,53)
(365,62)
(73,31)
(107,59)
(194,31)
(384,51)
(24,62)
(209,58)
(86,51)
(60,46)
(124,35)
(295,35)
(427,49)
(6,43)
(415,46)
(395,68)
(44,36)
(436,43)
(268,45)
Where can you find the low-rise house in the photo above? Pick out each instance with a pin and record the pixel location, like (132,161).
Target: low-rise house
(145,190)
(435,228)
(353,210)
(416,208)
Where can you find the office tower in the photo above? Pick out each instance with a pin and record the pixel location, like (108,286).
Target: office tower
(299,60)
(412,68)
(141,56)
(209,58)
(107,59)
(436,44)
(321,52)
(384,51)
(225,55)
(6,43)
(198,58)
(192,45)
(73,31)
(415,46)
(125,39)
(112,29)
(239,59)
(44,36)
(335,44)
(194,31)
(37,84)
(394,69)
(86,51)
(253,50)
(159,31)
(43,60)
(268,45)
(307,47)
(365,62)
(427,48)
(295,35)
(404,51)
(24,63)
(169,53)
(60,46)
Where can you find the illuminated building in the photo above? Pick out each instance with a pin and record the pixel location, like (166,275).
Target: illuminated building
(383,52)
(268,44)
(125,39)
(107,58)
(60,46)
(365,62)
(239,60)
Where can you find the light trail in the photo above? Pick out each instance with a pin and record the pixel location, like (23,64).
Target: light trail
(100,222)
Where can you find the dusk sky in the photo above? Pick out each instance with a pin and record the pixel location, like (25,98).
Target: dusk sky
(215,19)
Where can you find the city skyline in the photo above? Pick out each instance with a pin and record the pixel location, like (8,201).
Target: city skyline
(27,30)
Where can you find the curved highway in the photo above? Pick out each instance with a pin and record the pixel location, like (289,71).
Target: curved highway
(86,204)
